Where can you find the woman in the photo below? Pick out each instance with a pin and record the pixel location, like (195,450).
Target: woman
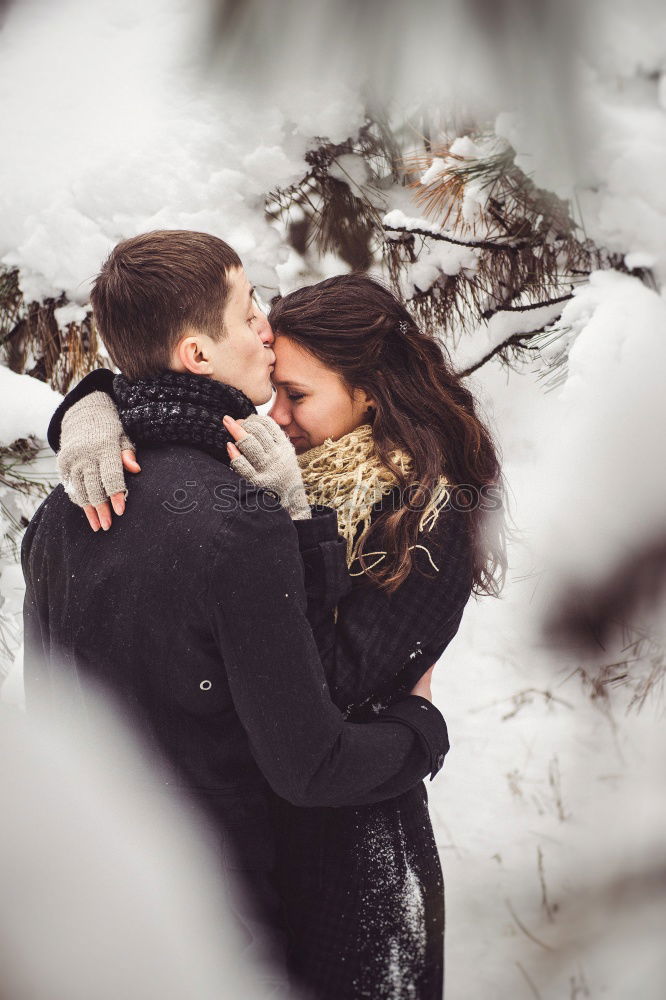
(388,436)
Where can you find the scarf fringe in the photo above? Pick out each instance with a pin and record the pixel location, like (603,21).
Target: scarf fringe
(348,476)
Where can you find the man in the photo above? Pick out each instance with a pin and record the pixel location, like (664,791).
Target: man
(193,610)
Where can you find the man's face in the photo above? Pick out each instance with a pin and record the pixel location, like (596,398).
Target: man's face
(243,357)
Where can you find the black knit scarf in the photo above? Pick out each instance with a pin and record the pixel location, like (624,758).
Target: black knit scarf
(180,408)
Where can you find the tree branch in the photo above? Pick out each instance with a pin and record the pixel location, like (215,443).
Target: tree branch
(528,306)
(515,340)
(472,244)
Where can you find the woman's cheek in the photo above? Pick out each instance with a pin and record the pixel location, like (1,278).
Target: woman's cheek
(299,417)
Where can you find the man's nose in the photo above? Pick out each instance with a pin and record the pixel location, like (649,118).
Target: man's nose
(265,331)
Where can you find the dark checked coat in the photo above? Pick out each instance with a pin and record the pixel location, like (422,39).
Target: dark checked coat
(363,886)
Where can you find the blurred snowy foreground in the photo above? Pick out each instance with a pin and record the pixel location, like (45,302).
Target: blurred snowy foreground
(550,813)
(108,888)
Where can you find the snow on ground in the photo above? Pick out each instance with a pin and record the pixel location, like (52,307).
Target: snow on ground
(544,798)
(546,794)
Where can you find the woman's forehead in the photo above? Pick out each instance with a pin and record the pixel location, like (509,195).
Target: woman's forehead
(294,362)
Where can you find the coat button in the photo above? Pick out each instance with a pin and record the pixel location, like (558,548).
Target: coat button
(205,685)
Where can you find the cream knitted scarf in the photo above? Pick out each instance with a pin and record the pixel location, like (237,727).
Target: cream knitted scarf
(348,476)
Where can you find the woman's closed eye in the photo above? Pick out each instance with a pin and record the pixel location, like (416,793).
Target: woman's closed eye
(295,396)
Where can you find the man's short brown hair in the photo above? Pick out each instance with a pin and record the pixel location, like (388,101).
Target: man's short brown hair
(152,288)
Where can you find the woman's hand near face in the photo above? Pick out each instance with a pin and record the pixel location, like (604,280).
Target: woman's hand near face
(94,451)
(264,456)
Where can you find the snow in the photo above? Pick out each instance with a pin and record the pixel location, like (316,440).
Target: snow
(109,889)
(537,767)
(397,219)
(27,407)
(437,167)
(159,145)
(607,150)
(489,334)
(393,901)
(440,257)
(351,169)
(612,415)
(636,260)
(70,313)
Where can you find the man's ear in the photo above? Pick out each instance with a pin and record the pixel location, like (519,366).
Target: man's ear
(191,355)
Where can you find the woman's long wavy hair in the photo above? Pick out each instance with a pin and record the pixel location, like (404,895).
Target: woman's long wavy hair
(357,328)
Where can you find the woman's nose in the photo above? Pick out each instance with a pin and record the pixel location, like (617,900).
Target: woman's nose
(280,413)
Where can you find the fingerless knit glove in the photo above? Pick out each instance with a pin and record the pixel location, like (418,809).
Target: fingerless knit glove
(268,460)
(91,441)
